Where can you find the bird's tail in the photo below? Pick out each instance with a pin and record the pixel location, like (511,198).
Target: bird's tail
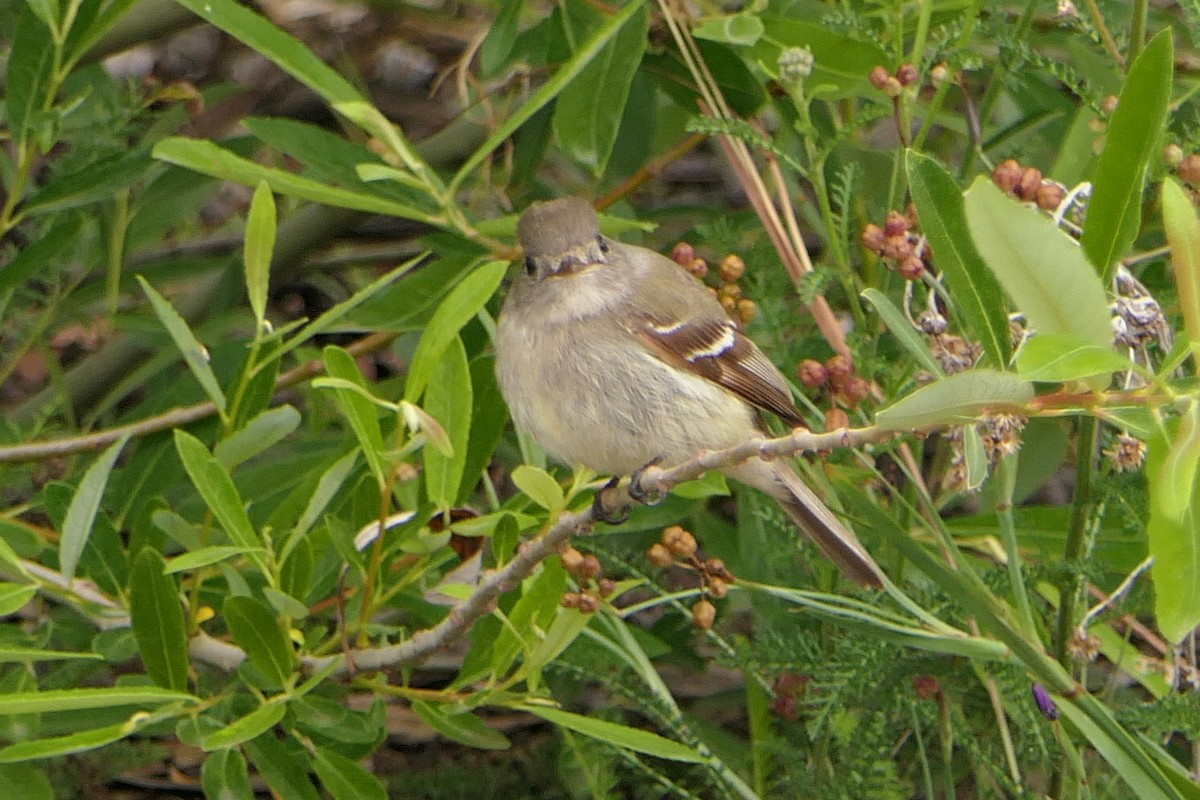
(812,517)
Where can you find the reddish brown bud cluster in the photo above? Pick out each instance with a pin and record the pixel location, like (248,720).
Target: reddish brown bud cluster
(789,688)
(892,85)
(1189,169)
(731,269)
(1028,184)
(898,244)
(677,547)
(838,376)
(588,574)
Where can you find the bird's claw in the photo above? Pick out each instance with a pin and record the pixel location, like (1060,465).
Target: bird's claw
(645,496)
(605,509)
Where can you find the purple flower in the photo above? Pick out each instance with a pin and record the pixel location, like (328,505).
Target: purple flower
(1044,703)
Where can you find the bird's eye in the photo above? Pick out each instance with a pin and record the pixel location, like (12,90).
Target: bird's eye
(530,267)
(603,244)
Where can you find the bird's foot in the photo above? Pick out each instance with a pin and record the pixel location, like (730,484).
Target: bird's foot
(646,495)
(606,507)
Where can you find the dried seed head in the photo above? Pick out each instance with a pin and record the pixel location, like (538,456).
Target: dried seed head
(572,560)
(717,588)
(873,237)
(704,614)
(839,369)
(1027,186)
(812,373)
(591,567)
(732,268)
(932,323)
(1127,454)
(660,556)
(715,567)
(679,542)
(1006,175)
(589,603)
(1050,196)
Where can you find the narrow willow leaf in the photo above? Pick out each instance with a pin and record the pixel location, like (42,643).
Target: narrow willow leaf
(540,487)
(14,596)
(958,398)
(359,410)
(213,483)
(65,745)
(622,736)
(83,699)
(224,776)
(17,655)
(346,779)
(158,621)
(895,321)
(974,458)
(30,59)
(260,433)
(1183,235)
(462,727)
(1060,357)
(259,245)
(1143,777)
(1174,526)
(1041,268)
(194,353)
(1131,140)
(205,556)
(283,772)
(81,514)
(448,399)
(256,628)
(459,308)
(330,482)
(501,37)
(26,781)
(257,722)
(972,285)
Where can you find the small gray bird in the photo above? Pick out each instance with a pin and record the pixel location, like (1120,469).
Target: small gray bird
(612,356)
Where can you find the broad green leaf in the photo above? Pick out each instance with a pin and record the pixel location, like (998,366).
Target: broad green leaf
(284,604)
(549,90)
(208,158)
(359,411)
(213,483)
(1060,357)
(540,487)
(158,622)
(742,29)
(462,727)
(46,11)
(448,400)
(13,596)
(567,625)
(288,53)
(459,308)
(532,614)
(194,354)
(1114,213)
(205,556)
(72,743)
(27,72)
(81,514)
(1141,775)
(587,116)
(1174,526)
(259,245)
(344,778)
(622,736)
(224,776)
(1183,235)
(95,182)
(17,655)
(257,722)
(286,774)
(500,37)
(973,287)
(296,574)
(958,398)
(904,332)
(256,628)
(1040,267)
(260,433)
(25,781)
(83,699)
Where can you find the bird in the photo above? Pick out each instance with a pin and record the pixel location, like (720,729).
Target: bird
(613,357)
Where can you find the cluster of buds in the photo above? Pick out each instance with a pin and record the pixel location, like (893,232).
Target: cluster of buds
(1128,453)
(588,573)
(838,377)
(892,84)
(898,244)
(732,268)
(1186,166)
(1001,435)
(1028,184)
(677,547)
(788,689)
(953,352)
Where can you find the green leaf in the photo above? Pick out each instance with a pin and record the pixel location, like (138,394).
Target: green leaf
(194,354)
(900,327)
(841,61)
(587,116)
(462,727)
(206,556)
(95,182)
(459,308)
(972,286)
(1174,526)
(256,723)
(344,778)
(359,410)
(84,505)
(19,655)
(256,628)
(742,29)
(549,90)
(210,159)
(83,699)
(501,37)
(622,736)
(260,433)
(72,743)
(1183,235)
(1043,270)
(1114,213)
(259,245)
(540,487)
(284,604)
(158,622)
(27,72)
(296,574)
(448,400)
(216,487)
(46,255)
(959,398)
(1060,357)
(14,596)
(330,482)
(286,774)
(224,776)
(25,781)
(1141,775)
(46,11)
